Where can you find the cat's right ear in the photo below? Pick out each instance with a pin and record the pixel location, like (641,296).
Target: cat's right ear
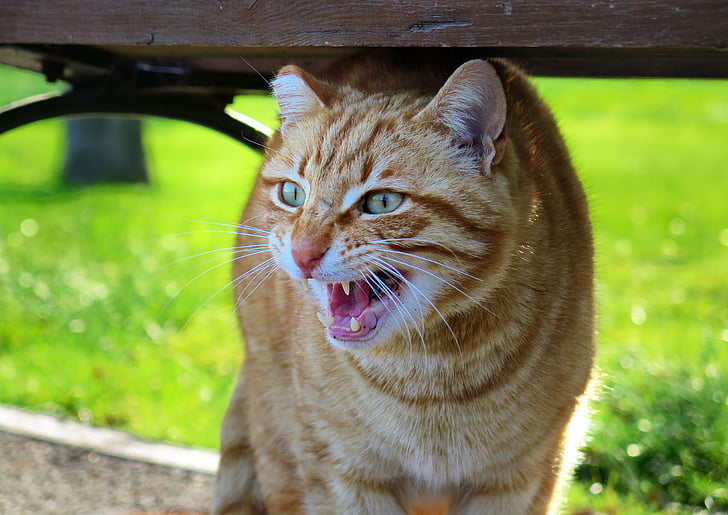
(472,105)
(297,99)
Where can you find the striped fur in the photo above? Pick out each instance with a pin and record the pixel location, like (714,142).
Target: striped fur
(465,397)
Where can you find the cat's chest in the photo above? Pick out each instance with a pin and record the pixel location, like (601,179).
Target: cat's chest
(440,445)
(372,423)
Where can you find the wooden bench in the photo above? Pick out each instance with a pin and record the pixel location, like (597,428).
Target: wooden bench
(186,59)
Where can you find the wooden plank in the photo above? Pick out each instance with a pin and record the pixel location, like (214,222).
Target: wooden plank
(698,27)
(241,68)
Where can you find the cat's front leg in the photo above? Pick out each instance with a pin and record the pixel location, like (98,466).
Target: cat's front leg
(236,485)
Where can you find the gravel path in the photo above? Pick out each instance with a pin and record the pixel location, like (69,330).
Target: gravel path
(37,477)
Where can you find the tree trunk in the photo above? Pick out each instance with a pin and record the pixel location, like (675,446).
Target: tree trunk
(104,150)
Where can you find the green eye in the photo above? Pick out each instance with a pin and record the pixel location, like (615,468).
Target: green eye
(292,194)
(380,202)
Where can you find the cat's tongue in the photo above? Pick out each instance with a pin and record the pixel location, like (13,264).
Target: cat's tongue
(353,318)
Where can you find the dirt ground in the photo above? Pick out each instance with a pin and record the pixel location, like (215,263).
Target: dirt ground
(38,478)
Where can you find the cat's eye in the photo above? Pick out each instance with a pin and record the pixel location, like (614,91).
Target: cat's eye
(380,202)
(292,194)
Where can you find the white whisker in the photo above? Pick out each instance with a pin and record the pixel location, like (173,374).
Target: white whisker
(399,305)
(270,85)
(415,240)
(258,270)
(188,283)
(217,292)
(433,261)
(260,247)
(236,233)
(389,268)
(445,281)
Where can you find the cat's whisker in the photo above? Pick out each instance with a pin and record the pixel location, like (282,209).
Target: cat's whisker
(267,267)
(221,223)
(433,261)
(259,247)
(240,225)
(375,283)
(251,276)
(252,273)
(247,221)
(201,274)
(209,298)
(415,240)
(253,232)
(238,255)
(245,228)
(399,305)
(404,314)
(257,72)
(394,271)
(261,145)
(441,279)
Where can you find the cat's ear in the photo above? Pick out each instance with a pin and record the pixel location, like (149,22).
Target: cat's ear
(472,105)
(294,90)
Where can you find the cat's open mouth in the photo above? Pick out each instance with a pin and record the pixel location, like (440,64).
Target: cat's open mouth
(356,307)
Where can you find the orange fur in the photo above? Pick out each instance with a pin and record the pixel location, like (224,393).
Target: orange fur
(440,508)
(455,367)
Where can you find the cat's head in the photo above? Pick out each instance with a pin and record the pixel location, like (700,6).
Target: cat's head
(388,206)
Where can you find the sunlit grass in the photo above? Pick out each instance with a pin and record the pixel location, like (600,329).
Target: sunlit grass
(652,158)
(98,320)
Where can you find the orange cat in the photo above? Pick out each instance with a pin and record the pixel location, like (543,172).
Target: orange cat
(414,281)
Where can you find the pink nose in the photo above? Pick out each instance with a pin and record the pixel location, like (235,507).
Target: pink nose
(307,255)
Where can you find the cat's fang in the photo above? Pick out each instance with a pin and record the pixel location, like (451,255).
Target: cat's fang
(354,325)
(325,320)
(346,286)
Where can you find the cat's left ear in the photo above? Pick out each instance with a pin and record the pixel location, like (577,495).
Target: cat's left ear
(296,96)
(472,105)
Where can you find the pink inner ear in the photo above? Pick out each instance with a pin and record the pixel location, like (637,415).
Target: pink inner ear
(472,105)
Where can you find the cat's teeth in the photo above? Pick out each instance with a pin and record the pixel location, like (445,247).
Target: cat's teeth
(345,285)
(354,325)
(325,320)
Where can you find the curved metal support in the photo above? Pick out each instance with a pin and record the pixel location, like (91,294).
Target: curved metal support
(208,110)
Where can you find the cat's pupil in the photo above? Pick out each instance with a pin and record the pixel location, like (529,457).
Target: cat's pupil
(292,194)
(382,202)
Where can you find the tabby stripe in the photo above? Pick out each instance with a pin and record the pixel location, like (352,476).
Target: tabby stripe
(302,166)
(498,380)
(380,127)
(447,210)
(333,138)
(366,168)
(363,150)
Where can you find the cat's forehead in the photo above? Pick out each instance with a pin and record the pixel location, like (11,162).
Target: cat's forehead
(352,149)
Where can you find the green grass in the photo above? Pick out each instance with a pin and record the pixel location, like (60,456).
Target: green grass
(92,325)
(653,159)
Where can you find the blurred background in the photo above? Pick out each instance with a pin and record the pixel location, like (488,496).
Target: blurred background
(115,306)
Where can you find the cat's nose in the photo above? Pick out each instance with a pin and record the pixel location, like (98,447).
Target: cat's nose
(307,254)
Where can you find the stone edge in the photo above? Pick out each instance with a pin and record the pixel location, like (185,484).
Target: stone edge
(105,441)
